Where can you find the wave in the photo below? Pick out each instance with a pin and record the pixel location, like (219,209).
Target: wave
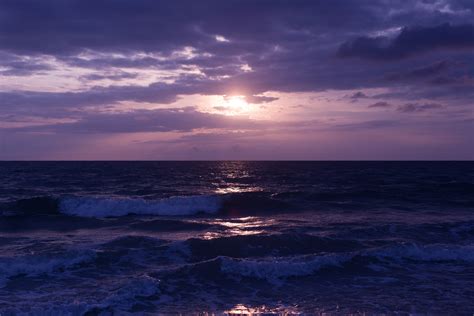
(100,207)
(229,204)
(263,245)
(284,255)
(435,252)
(274,269)
(234,204)
(113,297)
(134,242)
(170,225)
(195,250)
(369,262)
(106,207)
(42,264)
(127,295)
(34,205)
(445,232)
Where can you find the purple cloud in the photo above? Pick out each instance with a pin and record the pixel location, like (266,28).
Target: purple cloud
(381,104)
(104,67)
(413,107)
(159,120)
(410,41)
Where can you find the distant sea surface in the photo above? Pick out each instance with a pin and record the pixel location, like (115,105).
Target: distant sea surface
(112,238)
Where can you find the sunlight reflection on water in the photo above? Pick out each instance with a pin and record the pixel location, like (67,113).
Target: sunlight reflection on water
(240,309)
(240,226)
(235,177)
(237,189)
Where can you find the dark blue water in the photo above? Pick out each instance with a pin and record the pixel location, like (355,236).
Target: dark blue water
(111,238)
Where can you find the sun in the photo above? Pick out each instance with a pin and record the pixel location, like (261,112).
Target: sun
(236,104)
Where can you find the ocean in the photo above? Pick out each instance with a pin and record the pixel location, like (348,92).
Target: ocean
(227,238)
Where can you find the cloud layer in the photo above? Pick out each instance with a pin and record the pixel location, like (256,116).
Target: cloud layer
(72,67)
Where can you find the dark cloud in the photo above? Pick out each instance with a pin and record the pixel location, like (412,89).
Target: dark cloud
(98,96)
(381,104)
(118,75)
(375,124)
(257,99)
(421,72)
(410,41)
(147,25)
(414,107)
(219,108)
(21,65)
(463,81)
(407,107)
(358,95)
(288,45)
(159,120)
(100,62)
(44,101)
(219,137)
(424,49)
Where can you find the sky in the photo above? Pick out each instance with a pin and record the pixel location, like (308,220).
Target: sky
(254,80)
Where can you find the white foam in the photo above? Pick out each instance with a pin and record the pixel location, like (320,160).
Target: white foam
(107,207)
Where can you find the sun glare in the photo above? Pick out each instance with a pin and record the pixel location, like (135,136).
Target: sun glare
(236,104)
